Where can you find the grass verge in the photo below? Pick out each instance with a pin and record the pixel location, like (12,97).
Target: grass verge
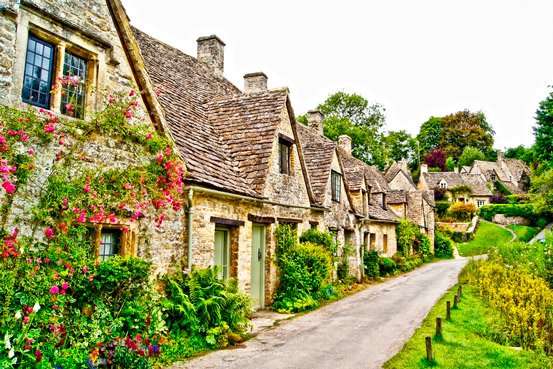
(524,233)
(465,341)
(485,237)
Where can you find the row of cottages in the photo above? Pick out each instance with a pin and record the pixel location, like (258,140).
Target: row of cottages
(250,165)
(514,174)
(454,185)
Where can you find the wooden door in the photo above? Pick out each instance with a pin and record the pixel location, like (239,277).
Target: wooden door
(257,285)
(221,257)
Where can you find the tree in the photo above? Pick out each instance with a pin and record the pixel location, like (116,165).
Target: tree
(469,155)
(429,135)
(464,129)
(436,159)
(529,156)
(542,186)
(450,164)
(352,115)
(399,145)
(543,130)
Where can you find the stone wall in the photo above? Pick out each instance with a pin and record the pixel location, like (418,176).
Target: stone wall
(85,28)
(502,219)
(381,229)
(457,227)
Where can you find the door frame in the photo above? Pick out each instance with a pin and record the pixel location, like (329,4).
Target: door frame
(226,230)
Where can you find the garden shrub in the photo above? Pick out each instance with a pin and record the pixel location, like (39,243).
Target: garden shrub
(442,207)
(443,247)
(498,198)
(523,210)
(386,266)
(371,264)
(319,238)
(342,270)
(199,302)
(462,212)
(499,187)
(542,222)
(524,300)
(406,232)
(423,246)
(304,272)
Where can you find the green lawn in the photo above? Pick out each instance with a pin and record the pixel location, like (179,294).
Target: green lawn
(524,233)
(464,343)
(487,235)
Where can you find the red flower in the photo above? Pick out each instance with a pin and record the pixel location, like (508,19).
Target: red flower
(38,355)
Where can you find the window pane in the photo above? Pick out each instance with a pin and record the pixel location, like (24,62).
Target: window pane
(73,101)
(38,73)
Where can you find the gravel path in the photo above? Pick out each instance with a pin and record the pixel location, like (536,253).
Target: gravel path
(361,331)
(542,233)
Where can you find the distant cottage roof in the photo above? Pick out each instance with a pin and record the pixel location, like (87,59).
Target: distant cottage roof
(474,181)
(376,180)
(396,197)
(398,168)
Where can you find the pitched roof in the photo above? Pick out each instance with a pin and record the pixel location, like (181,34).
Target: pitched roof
(318,152)
(376,180)
(188,85)
(517,168)
(396,197)
(452,179)
(487,168)
(478,184)
(474,181)
(375,211)
(354,168)
(247,125)
(428,196)
(398,168)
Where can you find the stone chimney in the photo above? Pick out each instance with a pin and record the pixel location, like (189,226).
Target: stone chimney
(345,143)
(315,120)
(456,169)
(255,82)
(424,168)
(211,51)
(500,155)
(403,165)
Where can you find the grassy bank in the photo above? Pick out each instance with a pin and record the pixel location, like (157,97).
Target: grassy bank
(486,236)
(524,233)
(466,341)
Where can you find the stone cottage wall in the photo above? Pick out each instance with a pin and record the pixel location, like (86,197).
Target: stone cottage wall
(84,27)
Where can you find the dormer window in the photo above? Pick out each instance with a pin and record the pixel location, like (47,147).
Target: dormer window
(443,184)
(336,182)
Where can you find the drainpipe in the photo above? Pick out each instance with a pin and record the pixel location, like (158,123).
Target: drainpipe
(362,248)
(190,224)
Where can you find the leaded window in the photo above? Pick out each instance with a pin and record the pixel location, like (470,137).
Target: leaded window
(74,92)
(37,77)
(109,243)
(284,155)
(336,181)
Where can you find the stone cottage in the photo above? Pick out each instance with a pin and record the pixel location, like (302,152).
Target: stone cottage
(42,41)
(479,194)
(369,192)
(514,174)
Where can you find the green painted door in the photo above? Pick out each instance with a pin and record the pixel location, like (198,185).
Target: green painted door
(222,252)
(257,286)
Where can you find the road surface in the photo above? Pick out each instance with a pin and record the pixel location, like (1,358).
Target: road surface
(361,331)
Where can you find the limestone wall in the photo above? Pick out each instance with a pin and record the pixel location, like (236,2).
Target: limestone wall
(381,229)
(504,220)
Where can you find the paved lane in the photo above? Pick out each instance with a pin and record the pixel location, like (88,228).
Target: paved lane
(360,331)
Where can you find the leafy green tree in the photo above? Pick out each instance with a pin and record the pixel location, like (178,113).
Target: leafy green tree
(528,156)
(352,115)
(399,145)
(429,135)
(450,164)
(542,186)
(543,130)
(469,155)
(464,129)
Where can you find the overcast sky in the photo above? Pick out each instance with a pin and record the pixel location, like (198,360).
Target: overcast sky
(418,58)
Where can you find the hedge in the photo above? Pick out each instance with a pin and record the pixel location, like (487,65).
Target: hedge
(509,210)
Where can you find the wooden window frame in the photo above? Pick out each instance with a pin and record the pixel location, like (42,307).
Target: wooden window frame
(51,70)
(336,185)
(284,154)
(126,239)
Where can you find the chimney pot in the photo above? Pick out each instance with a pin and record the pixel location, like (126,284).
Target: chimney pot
(211,51)
(345,143)
(255,82)
(424,168)
(500,155)
(315,120)
(456,169)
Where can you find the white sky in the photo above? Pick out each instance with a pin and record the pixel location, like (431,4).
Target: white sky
(418,58)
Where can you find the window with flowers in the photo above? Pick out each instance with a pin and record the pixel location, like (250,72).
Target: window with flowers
(41,76)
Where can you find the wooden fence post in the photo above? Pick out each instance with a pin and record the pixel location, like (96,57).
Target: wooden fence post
(429,353)
(460,292)
(455,301)
(438,326)
(448,315)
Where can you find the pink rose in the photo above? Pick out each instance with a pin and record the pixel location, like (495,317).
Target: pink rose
(65,286)
(54,290)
